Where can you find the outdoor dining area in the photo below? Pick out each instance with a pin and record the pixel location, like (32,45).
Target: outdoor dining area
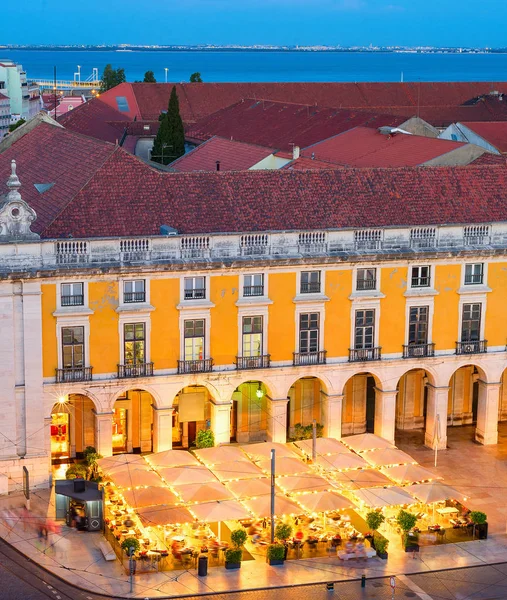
(180,505)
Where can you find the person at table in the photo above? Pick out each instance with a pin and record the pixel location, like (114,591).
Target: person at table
(336,540)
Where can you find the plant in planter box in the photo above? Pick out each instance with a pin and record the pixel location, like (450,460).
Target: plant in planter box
(480,521)
(234,555)
(275,554)
(381,544)
(374,520)
(406,521)
(205,438)
(129,543)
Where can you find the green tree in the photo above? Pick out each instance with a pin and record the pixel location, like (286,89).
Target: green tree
(111,78)
(195,77)
(169,143)
(15,125)
(149,77)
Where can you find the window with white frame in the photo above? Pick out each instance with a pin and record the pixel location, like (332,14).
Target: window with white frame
(73,347)
(253,285)
(474,274)
(310,282)
(420,277)
(418,325)
(309,332)
(364,331)
(252,336)
(194,339)
(72,294)
(471,322)
(134,343)
(194,288)
(366,279)
(134,291)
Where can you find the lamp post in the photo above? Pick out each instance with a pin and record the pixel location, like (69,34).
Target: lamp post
(272,495)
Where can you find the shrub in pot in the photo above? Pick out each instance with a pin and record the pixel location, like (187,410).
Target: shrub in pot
(283,531)
(381,544)
(234,555)
(275,554)
(374,520)
(205,438)
(129,543)
(407,521)
(480,521)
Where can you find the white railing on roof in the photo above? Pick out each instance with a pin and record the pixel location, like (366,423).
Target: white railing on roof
(195,247)
(368,239)
(423,237)
(476,235)
(312,242)
(254,244)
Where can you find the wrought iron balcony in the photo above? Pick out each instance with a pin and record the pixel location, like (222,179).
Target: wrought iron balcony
(137,370)
(129,297)
(474,347)
(195,366)
(364,354)
(366,284)
(310,287)
(73,300)
(71,374)
(309,358)
(253,362)
(195,294)
(253,290)
(473,278)
(418,350)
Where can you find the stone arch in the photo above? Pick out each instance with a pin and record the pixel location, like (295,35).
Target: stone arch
(131,385)
(325,382)
(464,392)
(306,402)
(359,402)
(193,410)
(412,399)
(251,410)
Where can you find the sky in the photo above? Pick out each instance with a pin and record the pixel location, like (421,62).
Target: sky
(248,22)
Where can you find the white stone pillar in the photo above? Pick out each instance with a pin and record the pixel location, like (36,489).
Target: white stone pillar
(487,413)
(332,415)
(9,435)
(436,410)
(277,420)
(162,428)
(221,422)
(104,433)
(385,413)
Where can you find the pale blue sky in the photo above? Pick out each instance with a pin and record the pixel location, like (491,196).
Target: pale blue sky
(345,22)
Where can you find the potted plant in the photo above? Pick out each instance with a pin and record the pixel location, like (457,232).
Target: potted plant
(129,543)
(381,544)
(275,554)
(374,520)
(234,555)
(480,521)
(406,521)
(205,438)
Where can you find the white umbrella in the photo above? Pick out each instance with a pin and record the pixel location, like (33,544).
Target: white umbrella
(164,515)
(220,454)
(435,491)
(408,474)
(250,488)
(365,442)
(303,483)
(263,450)
(215,512)
(387,457)
(184,475)
(198,492)
(149,496)
(324,502)
(341,462)
(111,463)
(359,479)
(134,476)
(378,497)
(171,458)
(323,446)
(237,470)
(261,506)
(285,466)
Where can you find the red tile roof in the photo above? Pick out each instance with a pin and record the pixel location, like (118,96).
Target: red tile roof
(233,156)
(281,125)
(365,147)
(495,133)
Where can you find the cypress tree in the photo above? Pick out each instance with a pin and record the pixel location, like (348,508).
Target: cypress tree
(169,143)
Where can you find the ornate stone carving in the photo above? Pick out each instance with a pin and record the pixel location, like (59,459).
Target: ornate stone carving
(16,216)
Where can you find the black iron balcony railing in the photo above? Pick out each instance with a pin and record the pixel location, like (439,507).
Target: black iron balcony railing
(137,370)
(364,354)
(195,294)
(366,284)
(418,282)
(309,358)
(134,297)
(253,362)
(70,374)
(310,287)
(195,366)
(253,290)
(473,278)
(474,347)
(74,300)
(418,350)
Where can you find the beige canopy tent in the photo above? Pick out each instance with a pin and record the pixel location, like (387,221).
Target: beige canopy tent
(323,446)
(434,492)
(379,497)
(237,470)
(408,474)
(197,492)
(164,515)
(287,465)
(220,454)
(387,457)
(324,502)
(250,488)
(261,506)
(263,450)
(215,512)
(359,479)
(149,496)
(118,461)
(364,442)
(341,462)
(303,483)
(185,475)
(172,458)
(134,476)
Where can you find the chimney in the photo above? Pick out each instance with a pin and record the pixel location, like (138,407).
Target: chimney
(218,165)
(295,152)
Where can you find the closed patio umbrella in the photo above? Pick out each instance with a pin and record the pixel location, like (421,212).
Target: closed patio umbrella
(261,506)
(341,462)
(185,475)
(364,442)
(136,475)
(324,502)
(263,450)
(379,497)
(287,465)
(408,474)
(214,512)
(149,496)
(387,457)
(324,446)
(249,488)
(198,492)
(172,458)
(221,454)
(164,515)
(434,491)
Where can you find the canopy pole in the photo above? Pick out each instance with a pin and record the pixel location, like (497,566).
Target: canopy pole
(272,495)
(314,441)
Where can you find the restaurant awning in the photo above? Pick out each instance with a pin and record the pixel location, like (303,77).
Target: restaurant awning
(324,446)
(214,512)
(149,496)
(135,475)
(387,457)
(379,497)
(172,458)
(434,491)
(263,450)
(249,488)
(185,475)
(340,462)
(287,465)
(359,479)
(364,442)
(408,474)
(261,506)
(237,470)
(303,483)
(164,515)
(324,502)
(204,492)
(221,454)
